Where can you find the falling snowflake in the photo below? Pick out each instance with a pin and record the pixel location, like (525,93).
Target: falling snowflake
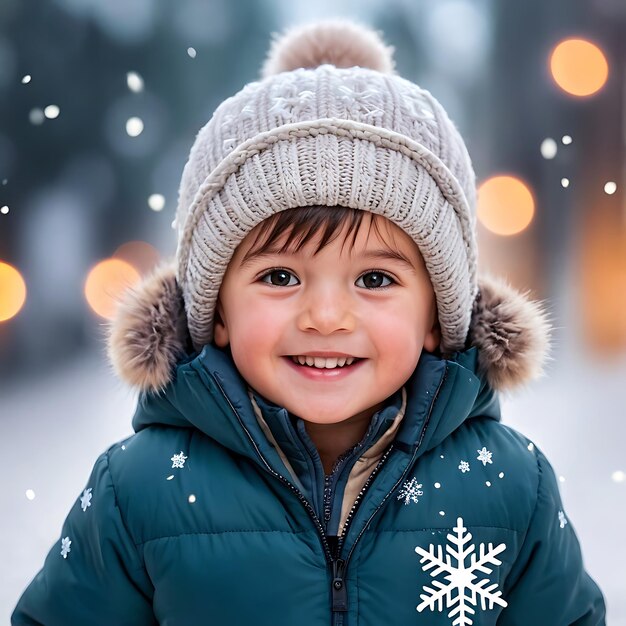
(85,499)
(178,460)
(460,578)
(410,491)
(65,547)
(484,455)
(464,466)
(562,520)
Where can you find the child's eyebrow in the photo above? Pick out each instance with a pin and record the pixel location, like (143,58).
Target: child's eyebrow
(388,255)
(384,255)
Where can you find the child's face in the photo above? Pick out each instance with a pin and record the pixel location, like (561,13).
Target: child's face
(278,306)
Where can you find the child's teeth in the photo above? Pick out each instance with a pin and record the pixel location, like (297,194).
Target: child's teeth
(323,363)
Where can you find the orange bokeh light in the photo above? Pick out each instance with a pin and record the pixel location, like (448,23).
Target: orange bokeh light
(505,205)
(12,292)
(579,67)
(106,283)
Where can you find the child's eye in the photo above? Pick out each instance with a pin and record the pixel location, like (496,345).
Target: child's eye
(373,280)
(281,278)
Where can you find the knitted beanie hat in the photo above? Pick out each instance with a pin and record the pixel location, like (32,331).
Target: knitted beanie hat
(330,124)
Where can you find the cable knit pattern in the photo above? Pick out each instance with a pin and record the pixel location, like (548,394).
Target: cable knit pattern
(351,137)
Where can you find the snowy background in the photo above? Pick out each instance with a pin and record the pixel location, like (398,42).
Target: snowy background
(75,184)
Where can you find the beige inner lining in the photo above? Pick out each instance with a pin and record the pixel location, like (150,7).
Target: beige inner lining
(360,471)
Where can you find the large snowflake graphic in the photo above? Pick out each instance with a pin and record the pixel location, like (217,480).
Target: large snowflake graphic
(410,491)
(459,578)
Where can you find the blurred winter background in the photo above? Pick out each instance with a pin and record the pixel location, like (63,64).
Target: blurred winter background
(100,101)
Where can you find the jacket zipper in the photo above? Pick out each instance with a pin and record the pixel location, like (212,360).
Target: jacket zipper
(338,566)
(377,469)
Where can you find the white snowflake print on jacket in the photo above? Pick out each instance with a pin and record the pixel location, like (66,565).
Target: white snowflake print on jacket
(484,455)
(459,578)
(178,460)
(562,520)
(410,491)
(464,466)
(65,546)
(85,499)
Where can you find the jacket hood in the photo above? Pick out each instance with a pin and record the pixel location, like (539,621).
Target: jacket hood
(149,334)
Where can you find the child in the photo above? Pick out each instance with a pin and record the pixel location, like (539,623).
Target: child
(318,437)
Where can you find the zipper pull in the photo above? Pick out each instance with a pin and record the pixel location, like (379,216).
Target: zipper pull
(338,587)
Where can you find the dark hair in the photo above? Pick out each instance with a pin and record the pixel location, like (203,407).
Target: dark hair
(304,223)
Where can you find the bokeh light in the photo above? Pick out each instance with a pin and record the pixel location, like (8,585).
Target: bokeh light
(36,117)
(579,67)
(156,202)
(505,205)
(134,82)
(106,283)
(52,111)
(134,126)
(12,292)
(141,255)
(548,148)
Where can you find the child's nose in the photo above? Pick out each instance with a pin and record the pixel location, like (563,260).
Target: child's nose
(327,310)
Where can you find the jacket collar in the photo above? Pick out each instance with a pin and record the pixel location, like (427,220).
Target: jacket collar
(207,392)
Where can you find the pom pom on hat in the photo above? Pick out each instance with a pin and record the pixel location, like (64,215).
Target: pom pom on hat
(340,43)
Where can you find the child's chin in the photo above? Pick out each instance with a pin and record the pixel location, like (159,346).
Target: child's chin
(325,415)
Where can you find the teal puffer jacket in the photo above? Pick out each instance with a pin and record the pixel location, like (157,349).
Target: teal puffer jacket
(197,519)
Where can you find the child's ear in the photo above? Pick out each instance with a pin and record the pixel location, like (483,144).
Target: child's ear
(220,330)
(433,338)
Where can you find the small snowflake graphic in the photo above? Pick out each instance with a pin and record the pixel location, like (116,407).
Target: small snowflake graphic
(460,578)
(464,466)
(178,460)
(65,546)
(484,455)
(562,520)
(410,491)
(85,499)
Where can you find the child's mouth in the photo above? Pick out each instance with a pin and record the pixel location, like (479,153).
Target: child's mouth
(319,373)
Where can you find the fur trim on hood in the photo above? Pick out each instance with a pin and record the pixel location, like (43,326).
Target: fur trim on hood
(149,333)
